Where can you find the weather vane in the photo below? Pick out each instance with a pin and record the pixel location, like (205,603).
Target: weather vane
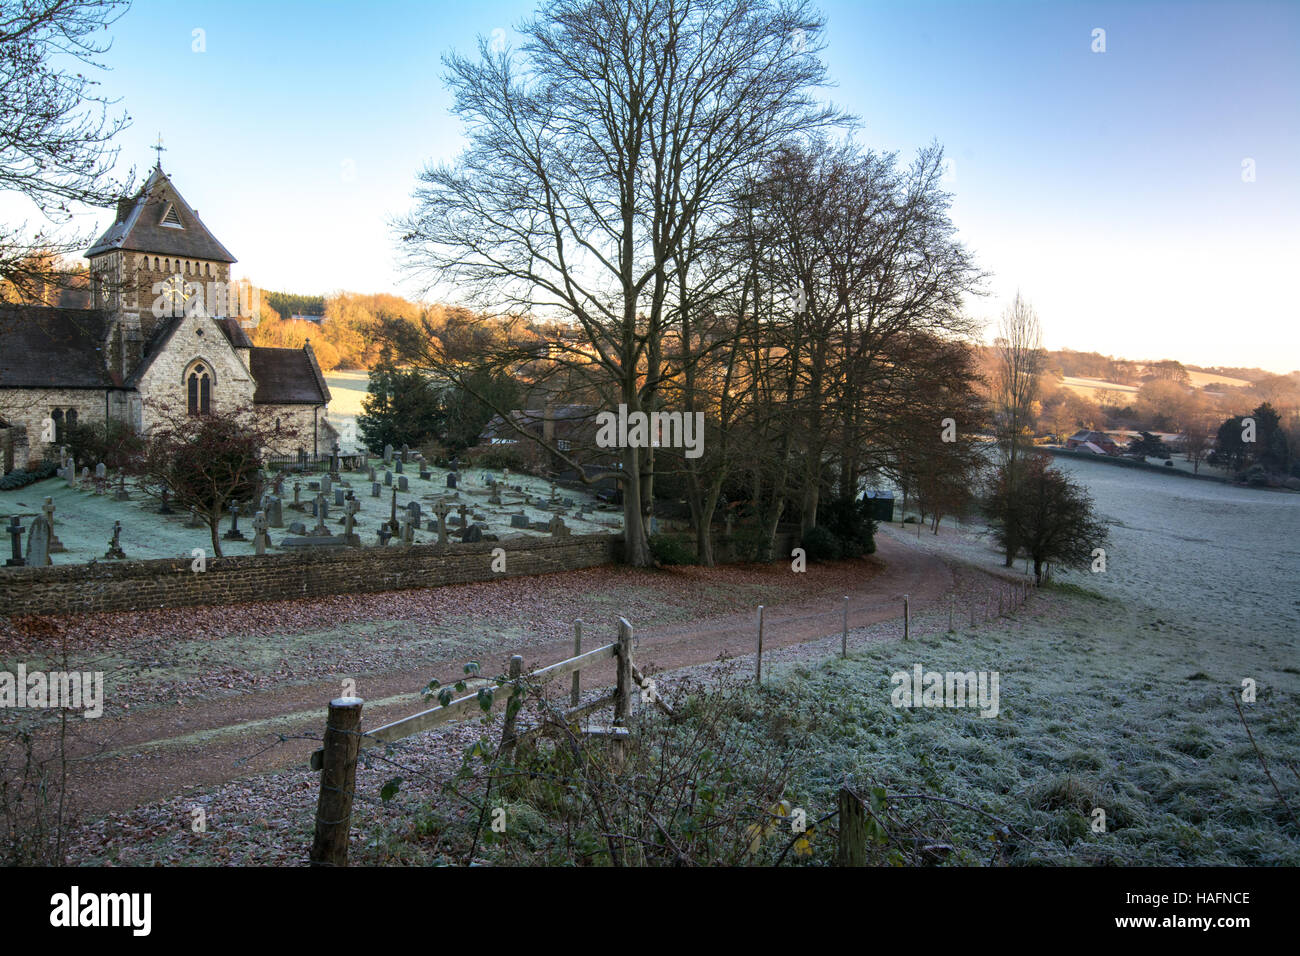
(159,148)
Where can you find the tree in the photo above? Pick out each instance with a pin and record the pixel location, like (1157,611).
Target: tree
(1047,516)
(615,139)
(205,462)
(402,407)
(1147,445)
(1020,357)
(55,150)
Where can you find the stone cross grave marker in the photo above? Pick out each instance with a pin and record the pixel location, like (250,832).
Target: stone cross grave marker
(350,516)
(260,525)
(15,530)
(56,546)
(441,509)
(322,512)
(234,534)
(115,552)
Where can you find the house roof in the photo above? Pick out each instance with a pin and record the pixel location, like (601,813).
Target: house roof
(53,348)
(140,226)
(287,377)
(235,333)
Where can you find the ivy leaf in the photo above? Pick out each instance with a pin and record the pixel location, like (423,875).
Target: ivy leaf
(485,698)
(389,790)
(444,696)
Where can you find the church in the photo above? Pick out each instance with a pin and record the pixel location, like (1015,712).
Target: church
(165,333)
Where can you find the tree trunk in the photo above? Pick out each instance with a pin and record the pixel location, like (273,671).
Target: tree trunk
(214,523)
(636,545)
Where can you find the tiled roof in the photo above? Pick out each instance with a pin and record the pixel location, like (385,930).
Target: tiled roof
(287,377)
(235,333)
(53,348)
(139,226)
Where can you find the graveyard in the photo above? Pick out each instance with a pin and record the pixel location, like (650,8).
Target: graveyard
(345,501)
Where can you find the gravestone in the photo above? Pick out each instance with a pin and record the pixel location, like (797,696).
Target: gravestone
(425,473)
(56,546)
(338,497)
(473,534)
(274,513)
(519,521)
(406,452)
(402,483)
(374,489)
(385,534)
(393,526)
(388,454)
(370,473)
(260,525)
(15,530)
(322,508)
(234,534)
(495,497)
(194,521)
(101,471)
(558,528)
(72,473)
(388,478)
(350,516)
(115,552)
(400,467)
(297,528)
(297,491)
(121,494)
(326,485)
(166,507)
(313,486)
(441,509)
(452,479)
(38,543)
(430,525)
(414,510)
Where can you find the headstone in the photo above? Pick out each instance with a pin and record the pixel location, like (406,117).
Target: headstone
(430,524)
(350,516)
(374,489)
(400,467)
(452,479)
(388,478)
(370,473)
(297,490)
(15,530)
(326,485)
(322,509)
(72,472)
(473,534)
(274,513)
(120,494)
(414,510)
(495,497)
(393,526)
(101,471)
(234,534)
(461,512)
(441,509)
(558,528)
(114,552)
(338,497)
(406,452)
(166,507)
(297,528)
(402,483)
(194,521)
(277,485)
(519,521)
(425,473)
(56,546)
(313,486)
(388,455)
(38,543)
(260,525)
(385,534)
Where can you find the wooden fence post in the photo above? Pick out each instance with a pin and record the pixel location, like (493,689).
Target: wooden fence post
(508,730)
(844,637)
(907,618)
(852,849)
(338,779)
(623,690)
(577,649)
(758,666)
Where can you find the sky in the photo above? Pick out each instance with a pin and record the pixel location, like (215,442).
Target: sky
(1144,197)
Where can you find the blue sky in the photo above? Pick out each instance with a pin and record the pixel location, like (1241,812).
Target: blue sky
(1107,187)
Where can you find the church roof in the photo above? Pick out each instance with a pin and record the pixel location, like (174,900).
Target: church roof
(53,348)
(287,377)
(159,221)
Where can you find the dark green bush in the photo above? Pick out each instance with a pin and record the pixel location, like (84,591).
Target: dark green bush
(671,549)
(22,478)
(850,522)
(821,545)
(749,543)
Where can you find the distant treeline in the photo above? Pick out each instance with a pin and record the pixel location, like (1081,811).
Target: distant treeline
(293,303)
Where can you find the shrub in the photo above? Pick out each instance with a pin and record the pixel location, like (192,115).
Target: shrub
(671,549)
(494,459)
(116,444)
(822,545)
(748,543)
(850,522)
(22,478)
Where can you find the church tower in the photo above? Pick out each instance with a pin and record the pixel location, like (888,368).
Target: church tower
(150,264)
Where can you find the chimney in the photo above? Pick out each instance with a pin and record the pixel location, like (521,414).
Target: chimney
(124,208)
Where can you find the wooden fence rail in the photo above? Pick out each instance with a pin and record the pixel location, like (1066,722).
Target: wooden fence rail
(344,738)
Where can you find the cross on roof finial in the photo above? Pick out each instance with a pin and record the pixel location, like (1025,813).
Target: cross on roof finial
(159,148)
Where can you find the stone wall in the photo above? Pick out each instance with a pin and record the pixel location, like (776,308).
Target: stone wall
(170,582)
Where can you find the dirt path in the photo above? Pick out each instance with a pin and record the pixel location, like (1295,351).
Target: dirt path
(122,762)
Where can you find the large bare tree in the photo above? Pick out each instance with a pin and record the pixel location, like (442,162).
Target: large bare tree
(1019,347)
(608,144)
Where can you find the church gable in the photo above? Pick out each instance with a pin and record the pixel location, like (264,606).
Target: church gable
(192,366)
(158,221)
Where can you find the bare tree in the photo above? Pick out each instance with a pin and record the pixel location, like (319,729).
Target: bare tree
(1020,358)
(594,158)
(55,149)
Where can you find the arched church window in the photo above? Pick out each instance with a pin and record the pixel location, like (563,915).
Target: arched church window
(72,417)
(57,417)
(199,387)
